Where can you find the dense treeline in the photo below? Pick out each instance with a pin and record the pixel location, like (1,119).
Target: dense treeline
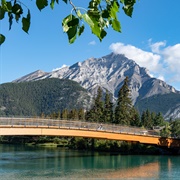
(158,103)
(34,98)
(104,111)
(123,112)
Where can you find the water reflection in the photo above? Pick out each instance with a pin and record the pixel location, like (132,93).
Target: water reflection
(150,170)
(22,162)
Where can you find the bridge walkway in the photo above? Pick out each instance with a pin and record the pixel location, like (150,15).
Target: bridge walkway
(51,127)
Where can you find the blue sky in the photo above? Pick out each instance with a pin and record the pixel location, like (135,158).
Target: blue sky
(151,38)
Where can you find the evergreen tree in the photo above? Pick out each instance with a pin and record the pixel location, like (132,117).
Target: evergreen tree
(149,119)
(108,109)
(124,106)
(143,118)
(59,115)
(95,114)
(135,119)
(73,114)
(146,119)
(171,120)
(81,114)
(165,132)
(153,118)
(53,115)
(159,120)
(42,115)
(76,114)
(99,106)
(175,128)
(65,114)
(90,115)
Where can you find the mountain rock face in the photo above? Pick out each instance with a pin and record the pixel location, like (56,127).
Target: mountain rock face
(109,73)
(33,76)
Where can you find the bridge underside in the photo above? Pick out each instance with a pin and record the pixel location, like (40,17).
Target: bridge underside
(45,131)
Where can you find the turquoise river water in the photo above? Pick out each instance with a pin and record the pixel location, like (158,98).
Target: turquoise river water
(36,163)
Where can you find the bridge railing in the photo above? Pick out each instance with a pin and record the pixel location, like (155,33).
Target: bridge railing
(75,124)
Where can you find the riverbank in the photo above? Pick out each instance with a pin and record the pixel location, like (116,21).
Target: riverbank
(88,144)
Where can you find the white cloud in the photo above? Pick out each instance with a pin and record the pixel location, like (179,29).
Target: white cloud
(63,66)
(155,47)
(162,61)
(92,43)
(161,77)
(143,58)
(171,60)
(171,55)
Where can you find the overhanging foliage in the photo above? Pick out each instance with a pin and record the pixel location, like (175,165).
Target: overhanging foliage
(99,15)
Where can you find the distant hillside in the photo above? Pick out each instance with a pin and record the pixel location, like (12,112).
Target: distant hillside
(168,104)
(48,95)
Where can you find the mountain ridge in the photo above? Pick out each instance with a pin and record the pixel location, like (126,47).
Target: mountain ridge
(109,72)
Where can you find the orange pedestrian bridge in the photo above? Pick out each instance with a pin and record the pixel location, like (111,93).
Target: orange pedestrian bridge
(76,128)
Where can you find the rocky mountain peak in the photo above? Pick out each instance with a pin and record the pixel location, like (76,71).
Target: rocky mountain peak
(36,75)
(109,73)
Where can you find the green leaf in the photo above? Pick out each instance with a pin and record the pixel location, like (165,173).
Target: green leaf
(65,22)
(70,25)
(17,9)
(105,14)
(6,6)
(103,34)
(87,19)
(66,1)
(102,22)
(73,22)
(41,4)
(93,23)
(9,6)
(81,30)
(2,13)
(52,4)
(2,39)
(94,14)
(26,22)
(128,6)
(93,4)
(72,34)
(79,14)
(10,20)
(128,10)
(114,9)
(3,2)
(17,16)
(96,30)
(129,2)
(116,25)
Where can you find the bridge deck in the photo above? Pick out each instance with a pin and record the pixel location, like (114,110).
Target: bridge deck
(49,127)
